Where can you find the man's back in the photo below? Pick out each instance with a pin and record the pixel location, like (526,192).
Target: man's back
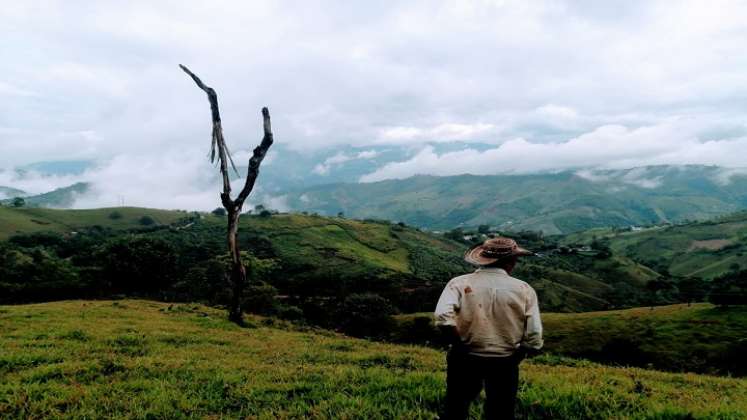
(493,312)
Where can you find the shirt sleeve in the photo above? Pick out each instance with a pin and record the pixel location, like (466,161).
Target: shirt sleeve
(533,329)
(448,305)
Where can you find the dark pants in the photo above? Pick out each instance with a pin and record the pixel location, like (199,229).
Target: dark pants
(465,376)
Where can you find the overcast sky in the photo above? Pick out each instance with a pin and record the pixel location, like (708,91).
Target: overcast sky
(550,84)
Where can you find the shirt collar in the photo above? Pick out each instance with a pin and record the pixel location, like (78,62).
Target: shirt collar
(495,270)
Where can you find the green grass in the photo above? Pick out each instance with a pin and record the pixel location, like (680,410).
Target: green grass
(141,359)
(28,220)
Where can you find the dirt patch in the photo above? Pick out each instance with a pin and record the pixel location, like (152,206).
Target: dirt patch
(711,244)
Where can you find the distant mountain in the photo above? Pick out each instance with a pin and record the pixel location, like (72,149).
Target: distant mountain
(553,203)
(8,192)
(58,167)
(59,198)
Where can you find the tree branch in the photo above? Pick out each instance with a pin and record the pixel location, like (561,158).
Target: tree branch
(256,159)
(218,143)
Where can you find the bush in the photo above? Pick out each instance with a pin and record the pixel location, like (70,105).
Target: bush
(146,221)
(115,215)
(261,299)
(219,211)
(366,315)
(135,264)
(36,274)
(729,289)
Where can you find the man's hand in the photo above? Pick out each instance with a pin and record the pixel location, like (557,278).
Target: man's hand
(451,335)
(523,352)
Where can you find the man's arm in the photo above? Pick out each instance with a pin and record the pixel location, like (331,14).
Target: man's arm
(445,313)
(532,340)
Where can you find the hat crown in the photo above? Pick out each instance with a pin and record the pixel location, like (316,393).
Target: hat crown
(498,247)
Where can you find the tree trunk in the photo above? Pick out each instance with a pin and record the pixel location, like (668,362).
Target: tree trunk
(238,270)
(233,208)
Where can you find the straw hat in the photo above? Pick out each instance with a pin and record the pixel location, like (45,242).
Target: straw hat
(493,250)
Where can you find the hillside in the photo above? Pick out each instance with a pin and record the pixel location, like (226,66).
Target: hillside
(302,266)
(60,198)
(312,258)
(15,221)
(141,359)
(553,203)
(691,338)
(321,257)
(697,249)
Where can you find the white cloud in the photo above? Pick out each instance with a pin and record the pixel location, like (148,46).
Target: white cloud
(725,176)
(612,146)
(7,89)
(100,81)
(440,133)
(340,158)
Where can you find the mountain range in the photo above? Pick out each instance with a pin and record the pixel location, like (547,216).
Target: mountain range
(553,203)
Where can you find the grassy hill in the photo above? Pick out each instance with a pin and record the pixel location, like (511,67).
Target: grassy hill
(697,249)
(14,221)
(553,203)
(141,359)
(693,338)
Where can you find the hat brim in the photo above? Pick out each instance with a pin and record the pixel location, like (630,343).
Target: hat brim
(473,256)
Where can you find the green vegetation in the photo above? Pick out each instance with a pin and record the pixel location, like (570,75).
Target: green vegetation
(141,359)
(693,338)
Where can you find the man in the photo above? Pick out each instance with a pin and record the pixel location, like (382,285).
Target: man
(492,321)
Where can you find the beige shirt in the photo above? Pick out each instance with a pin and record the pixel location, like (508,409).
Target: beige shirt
(493,312)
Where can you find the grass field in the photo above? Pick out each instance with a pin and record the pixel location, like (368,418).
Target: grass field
(142,359)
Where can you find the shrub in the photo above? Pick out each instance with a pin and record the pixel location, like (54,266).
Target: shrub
(146,221)
(115,215)
(219,211)
(139,264)
(366,315)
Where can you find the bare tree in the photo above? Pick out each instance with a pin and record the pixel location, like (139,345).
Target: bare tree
(233,206)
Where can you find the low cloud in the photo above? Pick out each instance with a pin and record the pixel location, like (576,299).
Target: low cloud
(611,146)
(638,177)
(340,158)
(439,133)
(725,176)
(33,182)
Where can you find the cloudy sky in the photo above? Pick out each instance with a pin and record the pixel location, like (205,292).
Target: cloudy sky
(548,85)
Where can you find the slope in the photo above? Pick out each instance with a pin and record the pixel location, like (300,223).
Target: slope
(141,359)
